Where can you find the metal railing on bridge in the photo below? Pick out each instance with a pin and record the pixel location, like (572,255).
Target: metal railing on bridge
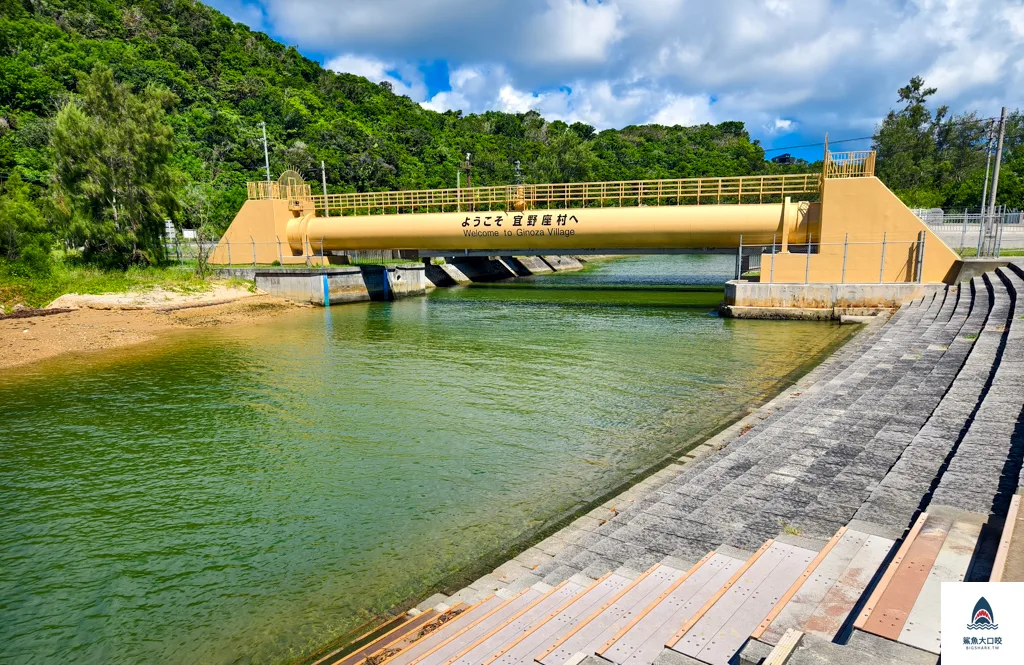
(667,192)
(852,164)
(683,191)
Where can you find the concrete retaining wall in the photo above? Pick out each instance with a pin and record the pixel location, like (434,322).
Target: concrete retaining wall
(562,263)
(482,268)
(532,265)
(445,274)
(817,301)
(358,283)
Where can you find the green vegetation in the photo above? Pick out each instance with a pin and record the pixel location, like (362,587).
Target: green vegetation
(69,276)
(113,184)
(116,115)
(937,160)
(973,251)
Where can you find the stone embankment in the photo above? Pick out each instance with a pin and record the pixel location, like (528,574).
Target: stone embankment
(816,530)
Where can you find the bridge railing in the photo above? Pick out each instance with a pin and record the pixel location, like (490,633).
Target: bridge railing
(854,164)
(273,190)
(690,191)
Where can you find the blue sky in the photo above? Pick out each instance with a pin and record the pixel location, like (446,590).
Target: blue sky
(790,69)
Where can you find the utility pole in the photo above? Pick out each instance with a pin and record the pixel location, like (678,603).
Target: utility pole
(323,178)
(988,168)
(995,172)
(266,153)
(999,158)
(519,174)
(469,174)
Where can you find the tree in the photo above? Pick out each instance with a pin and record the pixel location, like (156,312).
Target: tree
(930,159)
(114,184)
(583,130)
(24,240)
(567,158)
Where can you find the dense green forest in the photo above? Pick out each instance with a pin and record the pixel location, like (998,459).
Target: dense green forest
(118,114)
(220,80)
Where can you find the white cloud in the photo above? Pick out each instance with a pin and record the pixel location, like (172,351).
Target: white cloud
(573,31)
(405,78)
(780,126)
(823,65)
(693,110)
(371,68)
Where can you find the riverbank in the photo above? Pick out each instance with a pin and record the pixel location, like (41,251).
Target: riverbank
(111,321)
(534,559)
(250,458)
(838,504)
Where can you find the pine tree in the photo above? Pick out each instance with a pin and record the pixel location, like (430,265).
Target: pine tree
(114,182)
(24,240)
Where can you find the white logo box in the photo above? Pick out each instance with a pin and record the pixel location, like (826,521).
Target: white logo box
(982,623)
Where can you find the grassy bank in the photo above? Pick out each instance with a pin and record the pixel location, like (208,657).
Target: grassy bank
(66,277)
(971,252)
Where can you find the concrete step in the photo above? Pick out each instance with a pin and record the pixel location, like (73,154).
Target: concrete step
(1009,561)
(717,632)
(643,638)
(441,652)
(443,633)
(904,606)
(984,473)
(550,630)
(592,632)
(407,627)
(901,493)
(489,644)
(825,597)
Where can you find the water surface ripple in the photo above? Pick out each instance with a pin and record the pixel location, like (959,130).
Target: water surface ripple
(247,494)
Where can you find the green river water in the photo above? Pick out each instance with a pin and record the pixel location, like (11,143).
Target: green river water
(248,494)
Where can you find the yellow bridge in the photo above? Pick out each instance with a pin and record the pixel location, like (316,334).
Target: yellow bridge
(849,228)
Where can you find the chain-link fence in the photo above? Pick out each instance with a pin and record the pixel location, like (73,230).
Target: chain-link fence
(976,233)
(186,249)
(884,262)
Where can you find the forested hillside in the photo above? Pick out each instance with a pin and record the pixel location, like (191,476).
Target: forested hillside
(118,114)
(226,79)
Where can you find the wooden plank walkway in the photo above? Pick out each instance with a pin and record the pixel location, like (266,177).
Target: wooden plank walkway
(411,625)
(951,565)
(725,627)
(523,650)
(489,643)
(428,642)
(443,651)
(590,634)
(640,641)
(821,605)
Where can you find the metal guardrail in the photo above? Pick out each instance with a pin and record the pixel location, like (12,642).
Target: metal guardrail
(274,190)
(905,262)
(690,191)
(983,232)
(677,191)
(684,191)
(853,164)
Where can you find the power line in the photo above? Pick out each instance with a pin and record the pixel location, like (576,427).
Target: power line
(865,138)
(815,145)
